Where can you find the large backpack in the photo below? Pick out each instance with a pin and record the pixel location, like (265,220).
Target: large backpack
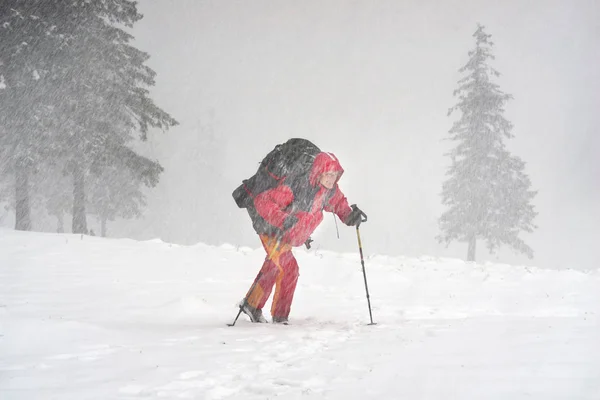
(288,163)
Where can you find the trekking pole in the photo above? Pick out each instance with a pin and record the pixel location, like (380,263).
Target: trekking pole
(245,301)
(363,218)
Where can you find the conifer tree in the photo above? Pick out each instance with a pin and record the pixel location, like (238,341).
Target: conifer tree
(108,94)
(26,42)
(73,90)
(487,193)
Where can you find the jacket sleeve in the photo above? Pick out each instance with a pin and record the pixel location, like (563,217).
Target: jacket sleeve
(338,204)
(271,204)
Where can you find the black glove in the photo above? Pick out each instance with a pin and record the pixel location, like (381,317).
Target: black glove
(308,242)
(355,217)
(289,222)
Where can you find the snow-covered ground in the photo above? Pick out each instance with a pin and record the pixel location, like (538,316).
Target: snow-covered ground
(91,318)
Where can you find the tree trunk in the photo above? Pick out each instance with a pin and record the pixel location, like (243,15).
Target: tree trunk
(60,226)
(103,226)
(472,248)
(79,218)
(22,206)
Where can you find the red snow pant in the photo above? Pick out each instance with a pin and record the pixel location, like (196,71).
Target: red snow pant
(280,269)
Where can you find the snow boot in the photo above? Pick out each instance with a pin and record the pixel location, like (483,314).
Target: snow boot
(280,320)
(255,314)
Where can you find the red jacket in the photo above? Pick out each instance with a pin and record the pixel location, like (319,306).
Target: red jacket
(274,205)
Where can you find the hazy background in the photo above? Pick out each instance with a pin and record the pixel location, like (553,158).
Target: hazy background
(370,81)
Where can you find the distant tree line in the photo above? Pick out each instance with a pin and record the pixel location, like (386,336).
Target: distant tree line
(73,99)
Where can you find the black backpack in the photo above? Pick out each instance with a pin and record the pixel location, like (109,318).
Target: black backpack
(288,163)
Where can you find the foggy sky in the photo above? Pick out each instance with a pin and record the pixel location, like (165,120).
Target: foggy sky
(372,82)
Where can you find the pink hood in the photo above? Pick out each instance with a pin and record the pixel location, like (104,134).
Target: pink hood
(324,162)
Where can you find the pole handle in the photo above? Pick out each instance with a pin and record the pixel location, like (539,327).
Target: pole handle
(363,216)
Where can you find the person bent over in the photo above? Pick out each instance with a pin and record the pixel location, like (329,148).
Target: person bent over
(292,212)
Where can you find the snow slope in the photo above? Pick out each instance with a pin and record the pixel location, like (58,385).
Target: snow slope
(91,318)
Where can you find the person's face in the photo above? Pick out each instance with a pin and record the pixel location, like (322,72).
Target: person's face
(328,179)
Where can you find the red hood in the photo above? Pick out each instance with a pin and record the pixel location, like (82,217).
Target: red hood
(324,162)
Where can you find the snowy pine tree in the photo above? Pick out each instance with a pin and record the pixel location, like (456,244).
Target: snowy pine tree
(26,41)
(73,90)
(107,92)
(487,193)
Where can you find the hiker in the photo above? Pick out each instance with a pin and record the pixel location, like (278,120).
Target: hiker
(285,216)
